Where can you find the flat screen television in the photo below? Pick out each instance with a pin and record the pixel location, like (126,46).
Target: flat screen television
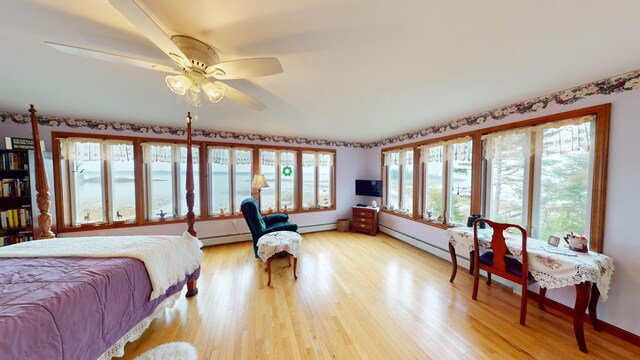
(369,188)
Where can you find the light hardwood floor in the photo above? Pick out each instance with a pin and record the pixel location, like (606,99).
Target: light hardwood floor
(361,297)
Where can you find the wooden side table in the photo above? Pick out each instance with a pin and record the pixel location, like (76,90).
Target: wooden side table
(279,242)
(365,219)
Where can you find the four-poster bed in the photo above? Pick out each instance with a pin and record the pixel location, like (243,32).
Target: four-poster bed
(74,298)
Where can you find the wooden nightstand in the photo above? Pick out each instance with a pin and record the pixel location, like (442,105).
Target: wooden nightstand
(365,219)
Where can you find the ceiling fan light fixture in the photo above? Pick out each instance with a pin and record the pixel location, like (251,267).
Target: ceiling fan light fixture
(193,96)
(214,93)
(179,84)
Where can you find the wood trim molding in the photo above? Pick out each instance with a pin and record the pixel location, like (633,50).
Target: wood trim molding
(141,204)
(601,148)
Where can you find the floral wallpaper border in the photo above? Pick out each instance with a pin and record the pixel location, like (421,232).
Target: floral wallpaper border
(617,84)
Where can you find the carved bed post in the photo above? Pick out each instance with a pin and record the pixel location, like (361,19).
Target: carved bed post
(43,197)
(191,216)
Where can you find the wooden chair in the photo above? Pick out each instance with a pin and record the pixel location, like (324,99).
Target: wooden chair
(500,263)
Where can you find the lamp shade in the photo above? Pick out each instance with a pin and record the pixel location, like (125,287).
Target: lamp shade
(259,181)
(178,83)
(214,93)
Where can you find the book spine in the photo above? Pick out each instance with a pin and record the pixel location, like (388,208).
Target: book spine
(9,219)
(4,220)
(23,217)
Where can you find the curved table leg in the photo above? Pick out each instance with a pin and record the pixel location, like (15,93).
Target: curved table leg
(582,299)
(269,270)
(454,262)
(541,296)
(593,304)
(295,267)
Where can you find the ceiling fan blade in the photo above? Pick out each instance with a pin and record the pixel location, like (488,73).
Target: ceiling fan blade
(138,17)
(100,55)
(244,68)
(240,97)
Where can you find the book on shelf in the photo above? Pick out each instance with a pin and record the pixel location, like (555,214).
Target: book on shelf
(15,187)
(15,218)
(13,161)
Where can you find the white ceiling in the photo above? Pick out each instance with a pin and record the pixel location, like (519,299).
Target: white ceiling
(354,70)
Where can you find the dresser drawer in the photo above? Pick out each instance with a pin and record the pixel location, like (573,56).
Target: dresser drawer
(363,220)
(361,213)
(362,227)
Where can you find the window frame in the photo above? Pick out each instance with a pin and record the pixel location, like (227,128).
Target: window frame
(478,173)
(140,187)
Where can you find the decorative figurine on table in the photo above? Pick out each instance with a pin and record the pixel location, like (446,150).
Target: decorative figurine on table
(221,211)
(430,214)
(473,218)
(118,215)
(162,215)
(577,242)
(87,217)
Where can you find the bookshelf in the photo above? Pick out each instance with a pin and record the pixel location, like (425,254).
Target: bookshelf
(16,187)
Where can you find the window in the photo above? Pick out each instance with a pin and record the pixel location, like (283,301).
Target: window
(407,181)
(279,169)
(392,165)
(546,174)
(399,176)
(121,181)
(165,166)
(459,158)
(309,200)
(242,176)
(565,165)
(548,166)
(89,183)
(230,168)
(317,179)
(288,173)
(432,159)
(325,180)
(220,181)
(507,179)
(446,180)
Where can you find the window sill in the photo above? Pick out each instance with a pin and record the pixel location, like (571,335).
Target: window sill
(117,225)
(435,224)
(396,213)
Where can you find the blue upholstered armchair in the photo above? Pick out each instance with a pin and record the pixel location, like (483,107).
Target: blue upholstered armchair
(260,225)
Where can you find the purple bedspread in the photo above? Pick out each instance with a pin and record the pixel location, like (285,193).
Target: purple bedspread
(71,308)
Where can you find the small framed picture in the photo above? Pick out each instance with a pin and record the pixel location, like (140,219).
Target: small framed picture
(553,240)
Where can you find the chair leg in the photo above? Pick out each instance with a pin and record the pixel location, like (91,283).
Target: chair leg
(488,278)
(541,296)
(476,279)
(523,304)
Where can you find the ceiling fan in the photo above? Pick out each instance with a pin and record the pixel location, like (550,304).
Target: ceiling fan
(199,67)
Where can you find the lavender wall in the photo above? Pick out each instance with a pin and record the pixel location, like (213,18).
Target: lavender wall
(623,197)
(621,242)
(350,164)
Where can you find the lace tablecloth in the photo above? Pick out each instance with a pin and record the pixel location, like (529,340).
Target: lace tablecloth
(278,241)
(553,267)
(462,239)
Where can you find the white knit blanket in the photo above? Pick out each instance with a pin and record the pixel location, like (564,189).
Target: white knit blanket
(168,259)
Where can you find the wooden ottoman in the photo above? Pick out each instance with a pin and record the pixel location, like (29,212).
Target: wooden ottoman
(279,242)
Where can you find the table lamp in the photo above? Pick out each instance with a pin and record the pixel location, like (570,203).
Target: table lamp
(259,182)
